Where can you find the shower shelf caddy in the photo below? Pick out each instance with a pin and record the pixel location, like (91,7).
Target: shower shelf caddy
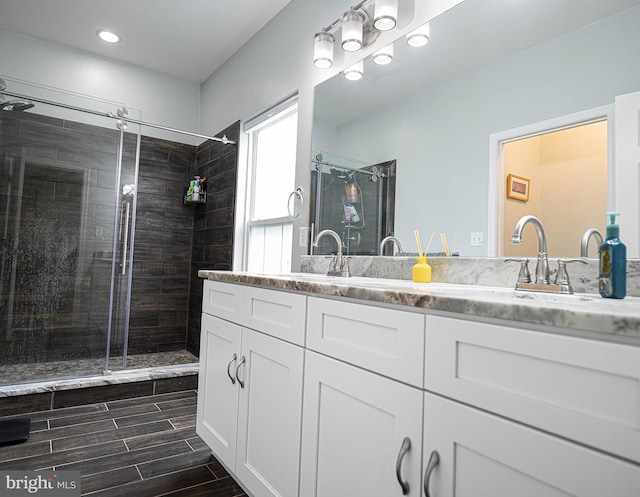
(201,193)
(202,199)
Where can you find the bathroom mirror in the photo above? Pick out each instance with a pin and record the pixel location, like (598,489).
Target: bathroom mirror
(490,66)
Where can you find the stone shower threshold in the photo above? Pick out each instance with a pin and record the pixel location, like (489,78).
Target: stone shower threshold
(27,379)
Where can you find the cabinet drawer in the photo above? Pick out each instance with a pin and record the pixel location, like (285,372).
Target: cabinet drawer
(584,390)
(276,313)
(387,341)
(223,300)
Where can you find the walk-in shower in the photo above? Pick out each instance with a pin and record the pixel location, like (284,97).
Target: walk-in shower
(71,265)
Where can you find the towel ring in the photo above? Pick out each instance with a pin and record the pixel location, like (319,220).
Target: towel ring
(297,193)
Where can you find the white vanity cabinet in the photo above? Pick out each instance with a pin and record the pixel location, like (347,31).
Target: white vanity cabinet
(250,385)
(326,397)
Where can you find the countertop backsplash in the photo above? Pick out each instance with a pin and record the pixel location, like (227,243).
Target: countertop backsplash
(485,271)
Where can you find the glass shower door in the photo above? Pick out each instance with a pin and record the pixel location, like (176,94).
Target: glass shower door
(62,173)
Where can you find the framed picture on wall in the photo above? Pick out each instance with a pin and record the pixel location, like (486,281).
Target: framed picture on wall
(518,187)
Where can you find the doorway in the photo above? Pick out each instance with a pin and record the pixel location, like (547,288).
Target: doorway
(564,164)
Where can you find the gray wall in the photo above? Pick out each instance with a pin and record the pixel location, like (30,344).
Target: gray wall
(163,99)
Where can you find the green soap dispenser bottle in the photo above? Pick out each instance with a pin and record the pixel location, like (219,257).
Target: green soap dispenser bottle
(613,262)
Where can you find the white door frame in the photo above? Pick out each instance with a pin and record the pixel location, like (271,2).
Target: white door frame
(497,183)
(627,180)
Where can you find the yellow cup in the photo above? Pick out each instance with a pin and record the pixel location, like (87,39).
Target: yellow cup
(422,271)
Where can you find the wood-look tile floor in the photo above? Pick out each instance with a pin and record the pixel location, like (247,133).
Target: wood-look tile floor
(142,447)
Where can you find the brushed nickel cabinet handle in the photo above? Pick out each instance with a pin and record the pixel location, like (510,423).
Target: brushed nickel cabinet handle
(242,361)
(404,448)
(232,378)
(434,459)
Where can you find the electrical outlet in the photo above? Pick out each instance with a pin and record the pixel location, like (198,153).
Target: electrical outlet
(303,235)
(477,239)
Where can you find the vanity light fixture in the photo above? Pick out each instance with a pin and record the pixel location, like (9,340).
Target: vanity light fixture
(419,37)
(384,55)
(352,28)
(323,50)
(108,36)
(354,72)
(385,16)
(359,29)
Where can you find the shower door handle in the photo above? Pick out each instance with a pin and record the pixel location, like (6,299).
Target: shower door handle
(125,239)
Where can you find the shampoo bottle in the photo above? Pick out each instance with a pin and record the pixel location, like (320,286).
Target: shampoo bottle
(613,262)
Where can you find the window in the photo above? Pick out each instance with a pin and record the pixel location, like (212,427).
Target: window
(272,153)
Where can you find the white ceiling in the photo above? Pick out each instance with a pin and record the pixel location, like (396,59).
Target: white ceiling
(189,39)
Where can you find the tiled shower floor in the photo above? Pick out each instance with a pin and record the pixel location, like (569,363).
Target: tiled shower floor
(25,373)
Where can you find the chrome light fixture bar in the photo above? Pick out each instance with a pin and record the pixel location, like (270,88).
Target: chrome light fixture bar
(359,27)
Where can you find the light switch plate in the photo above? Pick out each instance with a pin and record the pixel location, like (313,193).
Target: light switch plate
(303,236)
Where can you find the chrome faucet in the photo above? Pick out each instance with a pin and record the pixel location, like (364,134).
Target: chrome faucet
(339,266)
(391,239)
(561,283)
(542,266)
(584,245)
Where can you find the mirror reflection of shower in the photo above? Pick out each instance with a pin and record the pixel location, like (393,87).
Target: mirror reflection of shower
(352,198)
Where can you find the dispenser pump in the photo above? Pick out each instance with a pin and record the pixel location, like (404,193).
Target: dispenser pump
(613,230)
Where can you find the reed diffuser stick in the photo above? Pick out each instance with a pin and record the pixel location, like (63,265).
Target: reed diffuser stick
(430,240)
(417,235)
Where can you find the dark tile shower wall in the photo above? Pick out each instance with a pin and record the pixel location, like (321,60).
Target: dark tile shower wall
(213,222)
(162,250)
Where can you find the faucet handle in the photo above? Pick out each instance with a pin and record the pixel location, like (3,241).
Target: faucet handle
(346,272)
(524,276)
(562,276)
(333,263)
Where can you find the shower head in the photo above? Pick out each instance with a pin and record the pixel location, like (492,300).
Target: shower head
(16,105)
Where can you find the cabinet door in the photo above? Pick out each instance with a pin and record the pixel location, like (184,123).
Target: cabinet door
(481,454)
(354,425)
(217,387)
(270,415)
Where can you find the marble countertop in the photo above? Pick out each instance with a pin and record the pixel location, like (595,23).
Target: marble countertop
(580,311)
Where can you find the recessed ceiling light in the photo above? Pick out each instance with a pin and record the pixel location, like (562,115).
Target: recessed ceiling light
(108,36)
